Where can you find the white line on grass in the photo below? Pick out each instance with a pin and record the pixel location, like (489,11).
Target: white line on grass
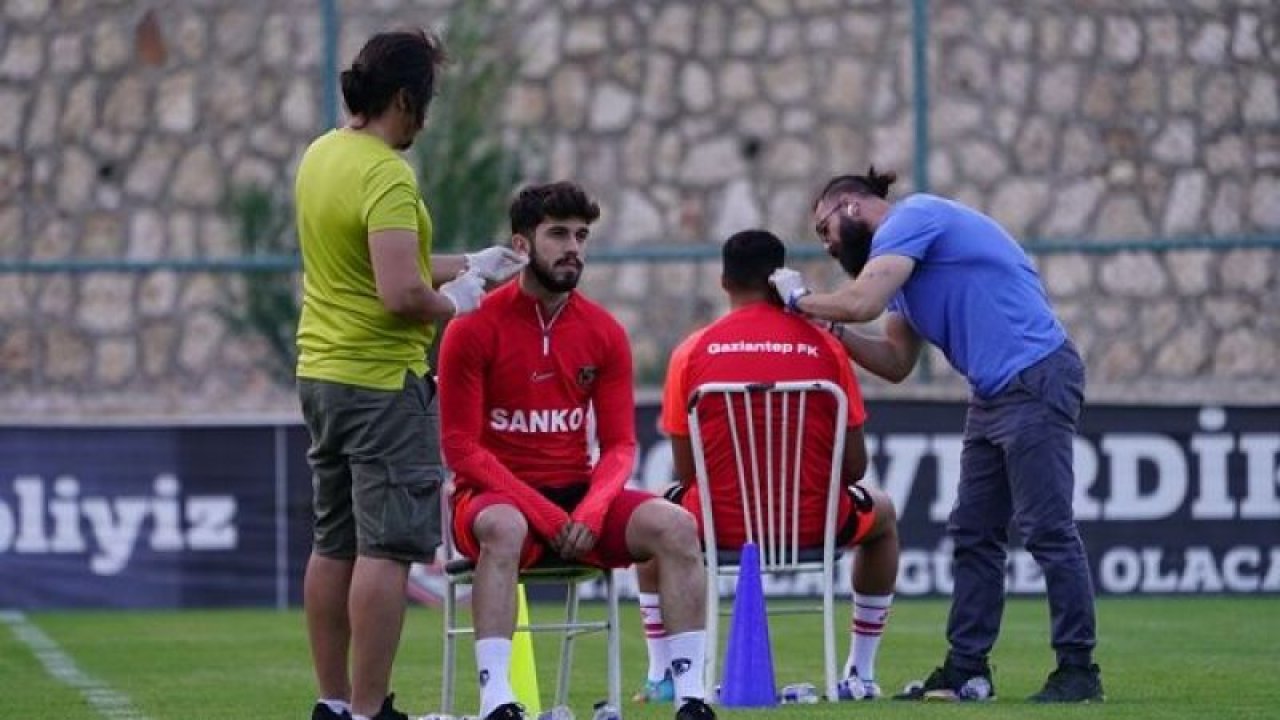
(108,702)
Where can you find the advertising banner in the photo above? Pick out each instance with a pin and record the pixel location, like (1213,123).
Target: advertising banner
(1170,500)
(152,516)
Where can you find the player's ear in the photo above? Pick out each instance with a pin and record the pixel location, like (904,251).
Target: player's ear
(521,244)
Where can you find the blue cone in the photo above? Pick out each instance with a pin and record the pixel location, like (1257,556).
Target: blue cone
(748,664)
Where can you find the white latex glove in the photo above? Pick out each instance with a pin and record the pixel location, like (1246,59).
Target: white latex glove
(495,264)
(790,286)
(464,292)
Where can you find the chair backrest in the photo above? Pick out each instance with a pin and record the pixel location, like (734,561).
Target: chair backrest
(776,450)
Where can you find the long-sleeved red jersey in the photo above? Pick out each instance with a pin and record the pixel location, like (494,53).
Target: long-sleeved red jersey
(517,389)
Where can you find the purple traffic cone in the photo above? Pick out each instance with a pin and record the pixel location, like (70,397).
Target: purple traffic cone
(748,664)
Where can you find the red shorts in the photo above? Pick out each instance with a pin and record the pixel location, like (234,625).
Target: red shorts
(611,547)
(856,515)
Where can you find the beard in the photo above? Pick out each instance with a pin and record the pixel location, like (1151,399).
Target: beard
(561,277)
(855,245)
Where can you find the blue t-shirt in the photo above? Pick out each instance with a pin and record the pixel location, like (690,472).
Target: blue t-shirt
(973,292)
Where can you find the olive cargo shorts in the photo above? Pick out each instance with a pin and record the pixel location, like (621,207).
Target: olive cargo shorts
(376,468)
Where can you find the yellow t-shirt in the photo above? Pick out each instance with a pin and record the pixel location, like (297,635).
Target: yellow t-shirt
(351,184)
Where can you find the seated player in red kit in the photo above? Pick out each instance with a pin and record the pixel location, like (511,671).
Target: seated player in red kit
(524,380)
(758,341)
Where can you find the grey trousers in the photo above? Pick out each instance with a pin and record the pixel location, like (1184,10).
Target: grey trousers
(1016,464)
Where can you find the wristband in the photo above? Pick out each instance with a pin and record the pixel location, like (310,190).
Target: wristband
(794,297)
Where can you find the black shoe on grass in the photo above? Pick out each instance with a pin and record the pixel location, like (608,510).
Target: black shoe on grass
(1071,684)
(324,712)
(949,683)
(507,711)
(388,711)
(695,709)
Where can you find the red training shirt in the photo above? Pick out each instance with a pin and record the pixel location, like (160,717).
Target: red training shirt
(516,389)
(759,342)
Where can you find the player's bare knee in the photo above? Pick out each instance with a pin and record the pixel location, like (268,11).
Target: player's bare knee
(679,534)
(884,528)
(885,513)
(501,530)
(662,529)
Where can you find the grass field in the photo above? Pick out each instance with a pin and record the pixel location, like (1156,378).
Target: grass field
(1162,658)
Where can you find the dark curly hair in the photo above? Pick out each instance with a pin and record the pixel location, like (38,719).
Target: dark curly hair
(560,200)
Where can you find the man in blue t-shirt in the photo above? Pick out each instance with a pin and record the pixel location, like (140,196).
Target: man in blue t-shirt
(950,275)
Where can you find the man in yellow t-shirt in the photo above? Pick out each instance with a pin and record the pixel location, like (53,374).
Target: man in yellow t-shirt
(369,307)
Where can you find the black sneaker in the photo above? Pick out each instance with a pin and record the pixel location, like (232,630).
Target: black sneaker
(324,712)
(387,712)
(695,709)
(507,711)
(950,683)
(1071,684)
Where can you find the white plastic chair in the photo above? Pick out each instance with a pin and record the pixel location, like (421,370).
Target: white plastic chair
(768,430)
(459,570)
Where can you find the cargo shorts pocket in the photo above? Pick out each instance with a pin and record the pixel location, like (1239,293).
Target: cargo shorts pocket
(399,510)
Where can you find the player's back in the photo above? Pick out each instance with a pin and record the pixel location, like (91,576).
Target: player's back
(762,343)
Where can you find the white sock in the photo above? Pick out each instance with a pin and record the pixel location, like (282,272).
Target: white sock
(688,652)
(870,614)
(338,706)
(493,662)
(655,636)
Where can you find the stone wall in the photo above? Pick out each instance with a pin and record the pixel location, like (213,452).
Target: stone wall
(123,125)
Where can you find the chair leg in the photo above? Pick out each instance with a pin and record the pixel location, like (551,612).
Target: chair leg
(450,646)
(712,627)
(566,644)
(829,635)
(615,646)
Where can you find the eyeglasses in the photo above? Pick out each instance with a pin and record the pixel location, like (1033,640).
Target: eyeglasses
(821,227)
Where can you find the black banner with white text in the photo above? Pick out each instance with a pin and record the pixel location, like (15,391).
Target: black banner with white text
(1169,500)
(151,517)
